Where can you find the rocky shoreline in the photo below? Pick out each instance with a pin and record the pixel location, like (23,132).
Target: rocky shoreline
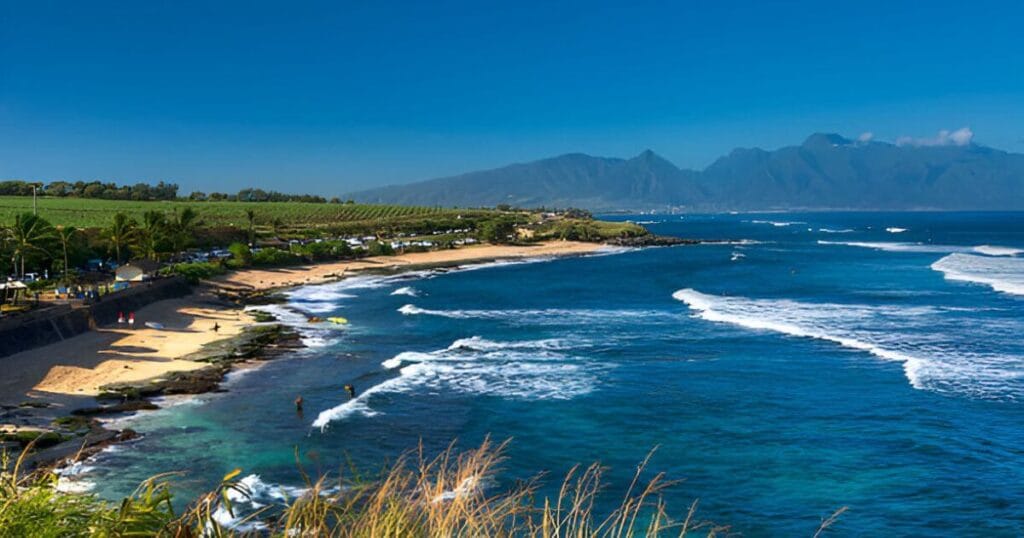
(75,437)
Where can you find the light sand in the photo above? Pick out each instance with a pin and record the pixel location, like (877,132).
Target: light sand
(80,365)
(263,279)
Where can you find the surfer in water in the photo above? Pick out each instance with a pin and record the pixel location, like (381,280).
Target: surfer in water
(298,404)
(351,390)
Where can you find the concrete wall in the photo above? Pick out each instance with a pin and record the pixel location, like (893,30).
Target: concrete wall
(38,328)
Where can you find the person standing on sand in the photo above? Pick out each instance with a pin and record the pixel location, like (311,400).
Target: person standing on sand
(131,320)
(216,326)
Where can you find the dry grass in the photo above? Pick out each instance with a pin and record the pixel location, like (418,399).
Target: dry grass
(450,495)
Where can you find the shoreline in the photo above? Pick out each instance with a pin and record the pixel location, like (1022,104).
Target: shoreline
(198,360)
(256,281)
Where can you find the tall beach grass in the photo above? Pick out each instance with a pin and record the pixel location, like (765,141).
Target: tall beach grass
(451,495)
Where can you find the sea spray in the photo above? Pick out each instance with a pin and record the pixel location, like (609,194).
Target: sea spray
(1001,274)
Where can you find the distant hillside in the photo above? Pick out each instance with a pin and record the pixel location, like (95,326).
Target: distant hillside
(826,171)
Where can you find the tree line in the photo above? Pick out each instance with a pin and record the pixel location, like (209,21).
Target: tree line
(32,242)
(147,192)
(91,189)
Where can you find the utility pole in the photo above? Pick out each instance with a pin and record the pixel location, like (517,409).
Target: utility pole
(35,210)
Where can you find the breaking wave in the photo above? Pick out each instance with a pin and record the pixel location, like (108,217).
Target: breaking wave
(1001,274)
(544,316)
(534,370)
(406,290)
(988,250)
(924,342)
(777,224)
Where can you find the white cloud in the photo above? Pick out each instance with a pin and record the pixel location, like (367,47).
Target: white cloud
(959,137)
(865,137)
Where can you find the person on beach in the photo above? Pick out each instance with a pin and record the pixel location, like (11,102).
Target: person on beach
(351,390)
(120,318)
(131,320)
(216,327)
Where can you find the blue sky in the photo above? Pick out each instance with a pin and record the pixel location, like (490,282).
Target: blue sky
(330,97)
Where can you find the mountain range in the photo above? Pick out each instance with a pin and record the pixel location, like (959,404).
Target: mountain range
(827,171)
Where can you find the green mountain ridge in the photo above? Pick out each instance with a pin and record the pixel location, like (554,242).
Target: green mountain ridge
(827,171)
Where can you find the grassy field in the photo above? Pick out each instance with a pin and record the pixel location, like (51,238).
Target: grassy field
(95,213)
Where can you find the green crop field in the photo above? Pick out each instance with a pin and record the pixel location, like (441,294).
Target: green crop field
(96,213)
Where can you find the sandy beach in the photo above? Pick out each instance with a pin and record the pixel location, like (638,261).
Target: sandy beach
(80,366)
(263,279)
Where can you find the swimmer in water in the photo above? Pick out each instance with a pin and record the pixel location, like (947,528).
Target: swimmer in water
(350,390)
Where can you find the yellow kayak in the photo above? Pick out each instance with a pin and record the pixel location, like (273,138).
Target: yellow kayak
(338,321)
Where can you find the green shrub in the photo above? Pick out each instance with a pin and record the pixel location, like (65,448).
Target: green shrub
(270,257)
(241,256)
(194,272)
(379,248)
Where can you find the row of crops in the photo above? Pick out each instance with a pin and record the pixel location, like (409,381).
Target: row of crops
(93,213)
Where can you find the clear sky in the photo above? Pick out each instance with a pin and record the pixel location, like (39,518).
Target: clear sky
(330,97)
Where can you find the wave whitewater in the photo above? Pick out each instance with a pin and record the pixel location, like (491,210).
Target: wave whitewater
(534,370)
(547,315)
(917,337)
(987,250)
(1001,274)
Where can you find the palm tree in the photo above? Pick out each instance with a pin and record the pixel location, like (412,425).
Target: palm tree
(154,230)
(66,235)
(182,227)
(29,234)
(122,234)
(251,215)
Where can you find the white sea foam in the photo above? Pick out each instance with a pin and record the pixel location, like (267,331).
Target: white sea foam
(313,335)
(534,370)
(70,480)
(251,495)
(894,230)
(893,247)
(476,343)
(988,250)
(924,339)
(835,231)
(736,256)
(1001,274)
(995,250)
(542,316)
(777,224)
(406,290)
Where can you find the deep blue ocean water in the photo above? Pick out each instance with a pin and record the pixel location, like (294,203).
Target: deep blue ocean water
(868,360)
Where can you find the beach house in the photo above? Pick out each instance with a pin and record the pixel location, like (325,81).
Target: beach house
(136,271)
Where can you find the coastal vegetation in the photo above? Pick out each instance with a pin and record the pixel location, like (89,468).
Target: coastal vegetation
(451,494)
(55,235)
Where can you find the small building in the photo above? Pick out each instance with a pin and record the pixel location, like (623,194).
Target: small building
(136,271)
(524,233)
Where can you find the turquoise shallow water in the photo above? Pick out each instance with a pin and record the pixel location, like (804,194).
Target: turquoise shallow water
(816,361)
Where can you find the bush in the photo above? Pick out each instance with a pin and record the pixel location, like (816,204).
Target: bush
(194,272)
(240,254)
(273,257)
(379,248)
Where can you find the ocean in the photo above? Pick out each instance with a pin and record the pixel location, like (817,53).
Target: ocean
(809,361)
